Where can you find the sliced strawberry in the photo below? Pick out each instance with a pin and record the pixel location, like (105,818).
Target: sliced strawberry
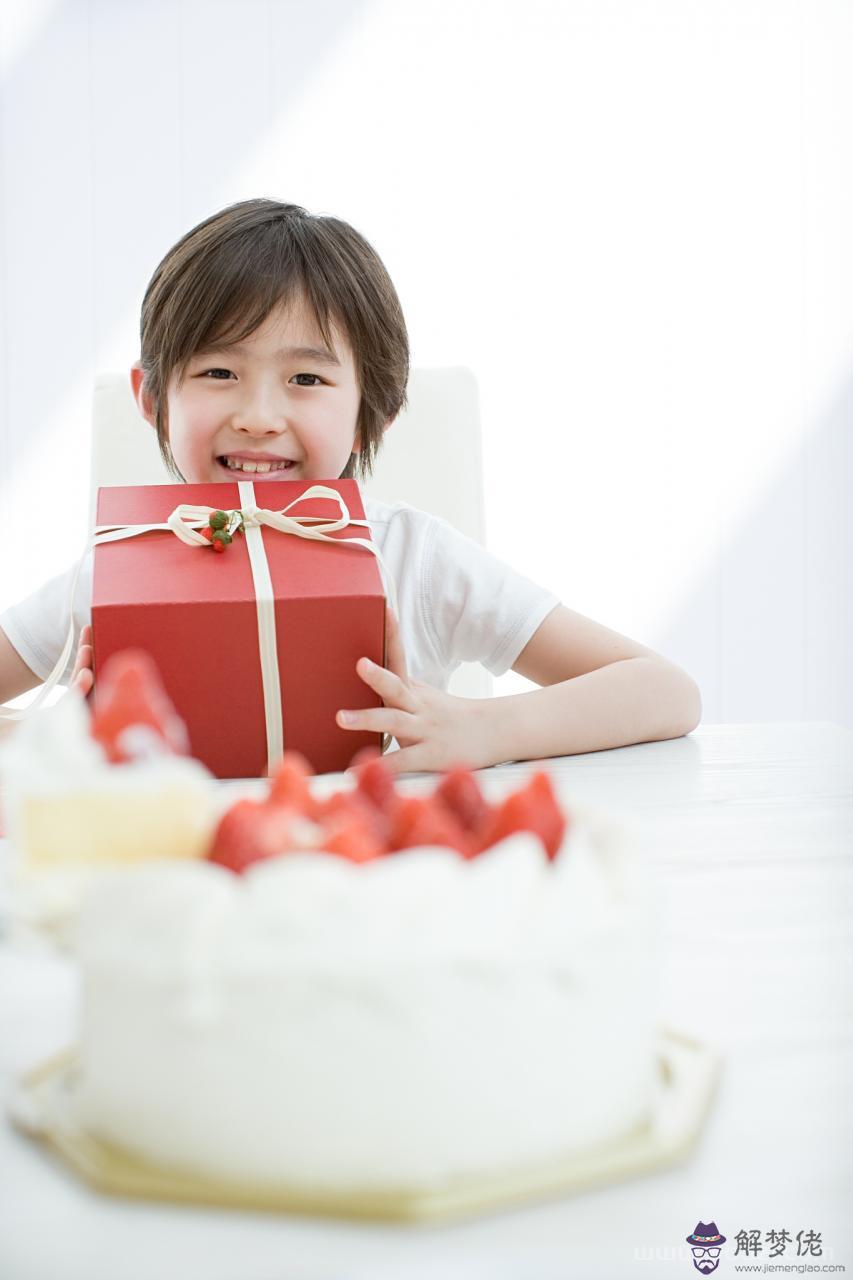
(552,819)
(534,807)
(460,792)
(422,820)
(290,785)
(133,714)
(343,807)
(252,830)
(353,839)
(374,780)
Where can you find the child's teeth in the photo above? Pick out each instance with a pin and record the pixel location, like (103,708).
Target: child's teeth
(236,464)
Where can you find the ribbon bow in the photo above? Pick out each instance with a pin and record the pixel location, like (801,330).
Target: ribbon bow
(186,521)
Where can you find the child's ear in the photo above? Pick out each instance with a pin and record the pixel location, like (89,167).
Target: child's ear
(140,395)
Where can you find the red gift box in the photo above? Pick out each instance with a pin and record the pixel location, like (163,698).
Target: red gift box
(195,612)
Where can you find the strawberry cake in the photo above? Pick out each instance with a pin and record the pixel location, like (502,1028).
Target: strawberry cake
(376,987)
(371,991)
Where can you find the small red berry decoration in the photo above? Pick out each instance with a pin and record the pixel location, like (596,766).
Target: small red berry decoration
(221,527)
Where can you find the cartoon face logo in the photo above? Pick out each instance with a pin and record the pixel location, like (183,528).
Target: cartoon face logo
(705,1243)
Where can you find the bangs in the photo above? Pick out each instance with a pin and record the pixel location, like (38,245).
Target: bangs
(230,291)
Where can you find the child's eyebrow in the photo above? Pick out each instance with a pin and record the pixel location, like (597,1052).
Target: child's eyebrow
(321,355)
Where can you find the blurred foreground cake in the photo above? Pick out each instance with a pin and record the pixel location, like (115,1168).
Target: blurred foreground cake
(360,991)
(431,1002)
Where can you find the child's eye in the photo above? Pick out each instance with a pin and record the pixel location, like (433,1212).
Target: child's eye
(217,374)
(315,383)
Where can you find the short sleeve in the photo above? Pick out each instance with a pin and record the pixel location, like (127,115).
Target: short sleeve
(478,608)
(37,627)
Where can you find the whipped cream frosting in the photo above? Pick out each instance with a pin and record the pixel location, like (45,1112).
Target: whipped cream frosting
(52,750)
(405,1022)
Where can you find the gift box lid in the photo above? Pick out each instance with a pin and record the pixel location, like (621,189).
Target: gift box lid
(158,566)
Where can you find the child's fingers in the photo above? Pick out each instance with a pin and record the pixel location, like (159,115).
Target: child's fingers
(83,661)
(392,690)
(84,681)
(408,760)
(82,676)
(84,657)
(395,655)
(377,720)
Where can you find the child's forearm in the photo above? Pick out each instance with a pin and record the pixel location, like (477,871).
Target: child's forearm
(635,700)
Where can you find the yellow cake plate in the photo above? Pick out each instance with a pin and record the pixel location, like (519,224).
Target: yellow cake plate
(43,1107)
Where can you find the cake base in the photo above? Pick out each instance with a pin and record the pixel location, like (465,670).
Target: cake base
(43,1107)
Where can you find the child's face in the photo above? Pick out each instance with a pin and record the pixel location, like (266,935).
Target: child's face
(275,405)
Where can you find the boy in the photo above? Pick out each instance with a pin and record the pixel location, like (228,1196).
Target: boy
(273,343)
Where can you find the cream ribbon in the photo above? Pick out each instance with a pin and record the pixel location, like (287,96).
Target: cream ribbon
(186,522)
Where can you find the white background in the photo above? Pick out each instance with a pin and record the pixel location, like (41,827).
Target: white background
(630,218)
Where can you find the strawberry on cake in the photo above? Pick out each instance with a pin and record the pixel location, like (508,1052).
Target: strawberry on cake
(85,790)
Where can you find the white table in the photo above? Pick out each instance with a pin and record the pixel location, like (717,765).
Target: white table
(750,831)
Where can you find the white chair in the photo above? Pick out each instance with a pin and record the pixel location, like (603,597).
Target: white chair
(431,458)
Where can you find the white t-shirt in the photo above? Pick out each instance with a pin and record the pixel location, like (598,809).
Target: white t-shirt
(456,602)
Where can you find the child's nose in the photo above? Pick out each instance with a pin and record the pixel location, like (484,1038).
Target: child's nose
(262,412)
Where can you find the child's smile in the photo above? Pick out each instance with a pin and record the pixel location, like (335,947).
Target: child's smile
(279,405)
(264,464)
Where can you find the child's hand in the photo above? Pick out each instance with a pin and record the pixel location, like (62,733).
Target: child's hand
(435,730)
(83,677)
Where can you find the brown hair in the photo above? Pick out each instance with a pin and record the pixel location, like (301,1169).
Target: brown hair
(223,278)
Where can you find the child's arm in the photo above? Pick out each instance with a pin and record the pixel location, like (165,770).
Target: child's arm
(603,690)
(16,677)
(600,690)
